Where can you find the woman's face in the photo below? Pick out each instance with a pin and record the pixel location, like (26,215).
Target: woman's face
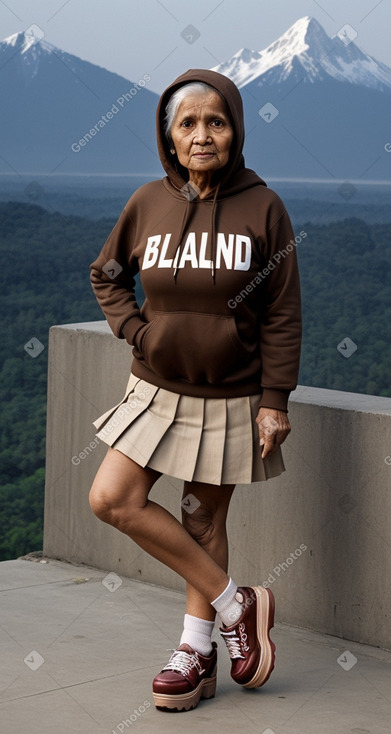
(202,133)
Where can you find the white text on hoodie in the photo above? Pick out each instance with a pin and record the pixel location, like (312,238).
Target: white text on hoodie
(236,253)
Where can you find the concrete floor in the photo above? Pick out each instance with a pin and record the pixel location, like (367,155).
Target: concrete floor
(79,656)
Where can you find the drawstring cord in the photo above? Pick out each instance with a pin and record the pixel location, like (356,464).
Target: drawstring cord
(185,219)
(178,250)
(213,233)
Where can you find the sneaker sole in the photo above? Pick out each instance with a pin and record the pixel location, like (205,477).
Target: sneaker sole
(186,701)
(265,621)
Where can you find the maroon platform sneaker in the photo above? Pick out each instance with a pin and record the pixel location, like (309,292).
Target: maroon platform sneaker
(187,677)
(249,645)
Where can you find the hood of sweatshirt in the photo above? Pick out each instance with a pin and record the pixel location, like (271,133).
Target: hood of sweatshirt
(234,177)
(231,179)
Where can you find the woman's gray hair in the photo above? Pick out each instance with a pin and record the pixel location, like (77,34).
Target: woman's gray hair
(178,97)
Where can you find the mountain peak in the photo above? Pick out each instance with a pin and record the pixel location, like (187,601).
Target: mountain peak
(25,40)
(306,53)
(305,39)
(305,25)
(246,65)
(28,47)
(301,35)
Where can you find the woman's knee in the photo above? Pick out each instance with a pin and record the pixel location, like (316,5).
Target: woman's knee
(113,508)
(101,503)
(120,490)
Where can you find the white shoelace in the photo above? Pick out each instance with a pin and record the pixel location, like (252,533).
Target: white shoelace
(182,662)
(233,645)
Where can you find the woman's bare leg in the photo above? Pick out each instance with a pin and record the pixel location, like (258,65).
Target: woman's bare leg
(206,523)
(119,496)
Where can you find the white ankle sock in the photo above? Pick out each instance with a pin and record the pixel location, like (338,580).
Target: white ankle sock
(197,633)
(227,607)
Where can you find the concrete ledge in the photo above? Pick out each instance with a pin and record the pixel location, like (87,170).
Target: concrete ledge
(319,534)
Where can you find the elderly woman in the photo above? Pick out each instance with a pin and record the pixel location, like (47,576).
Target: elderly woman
(215,355)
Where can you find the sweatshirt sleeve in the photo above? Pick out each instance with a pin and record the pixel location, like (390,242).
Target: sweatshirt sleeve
(112,279)
(280,331)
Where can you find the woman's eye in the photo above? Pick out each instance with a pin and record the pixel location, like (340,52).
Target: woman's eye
(189,123)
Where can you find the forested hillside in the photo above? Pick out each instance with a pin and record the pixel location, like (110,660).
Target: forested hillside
(44,281)
(345,274)
(345,270)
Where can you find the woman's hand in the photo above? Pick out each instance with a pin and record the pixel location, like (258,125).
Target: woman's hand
(273,427)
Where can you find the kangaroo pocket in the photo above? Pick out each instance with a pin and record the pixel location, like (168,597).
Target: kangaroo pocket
(195,347)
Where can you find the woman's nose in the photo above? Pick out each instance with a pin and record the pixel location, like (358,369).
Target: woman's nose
(201,135)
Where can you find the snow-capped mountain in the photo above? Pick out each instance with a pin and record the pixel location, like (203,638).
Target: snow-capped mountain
(71,116)
(306,51)
(22,42)
(31,52)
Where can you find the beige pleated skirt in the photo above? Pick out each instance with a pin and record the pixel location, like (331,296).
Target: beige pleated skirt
(195,439)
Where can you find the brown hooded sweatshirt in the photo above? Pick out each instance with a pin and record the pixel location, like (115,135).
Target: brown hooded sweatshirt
(221,316)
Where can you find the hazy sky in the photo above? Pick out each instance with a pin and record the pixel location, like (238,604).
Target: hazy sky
(137,37)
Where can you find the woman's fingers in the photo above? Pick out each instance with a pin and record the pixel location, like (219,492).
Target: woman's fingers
(273,428)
